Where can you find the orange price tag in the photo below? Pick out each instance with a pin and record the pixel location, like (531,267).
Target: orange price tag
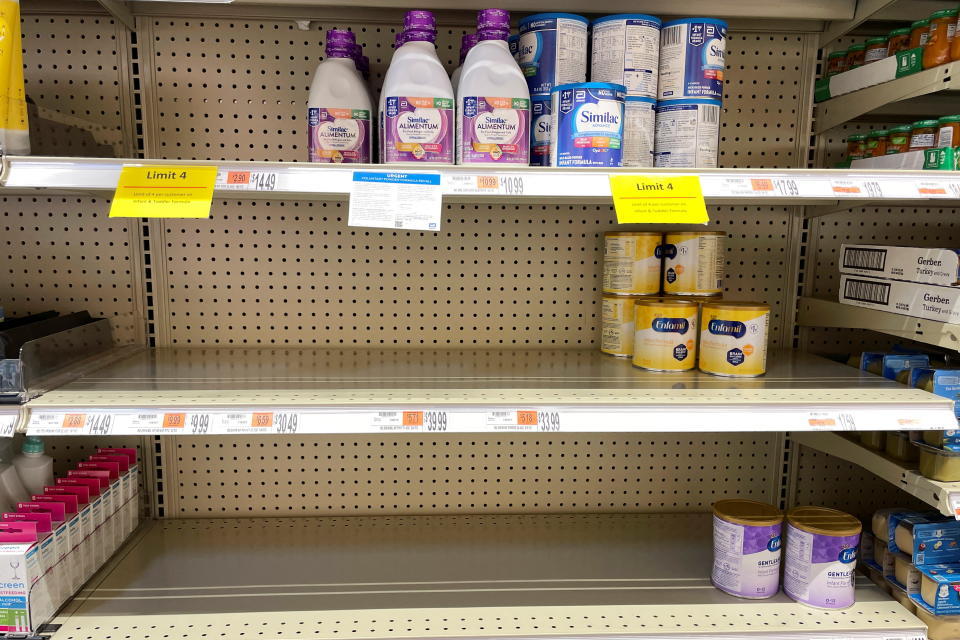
(761,184)
(487,182)
(74,420)
(845,189)
(238,177)
(932,191)
(527,418)
(174,420)
(822,422)
(261,420)
(413,418)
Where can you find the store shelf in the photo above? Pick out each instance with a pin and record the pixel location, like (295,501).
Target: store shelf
(815,312)
(294,180)
(927,94)
(9,420)
(280,391)
(560,576)
(944,496)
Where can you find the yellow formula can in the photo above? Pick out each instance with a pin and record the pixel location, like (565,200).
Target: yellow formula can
(666,334)
(616,336)
(693,263)
(733,338)
(631,264)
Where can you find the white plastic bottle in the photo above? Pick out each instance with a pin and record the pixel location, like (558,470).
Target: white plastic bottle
(34,468)
(417,103)
(493,100)
(12,490)
(338,110)
(467,42)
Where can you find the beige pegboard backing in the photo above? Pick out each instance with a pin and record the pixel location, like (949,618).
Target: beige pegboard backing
(236,88)
(76,77)
(341,475)
(64,253)
(826,481)
(281,272)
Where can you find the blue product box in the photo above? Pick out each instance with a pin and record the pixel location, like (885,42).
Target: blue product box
(947,595)
(946,384)
(936,540)
(894,363)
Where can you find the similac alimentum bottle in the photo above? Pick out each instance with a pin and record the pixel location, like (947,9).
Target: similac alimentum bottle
(339,106)
(417,98)
(467,42)
(493,100)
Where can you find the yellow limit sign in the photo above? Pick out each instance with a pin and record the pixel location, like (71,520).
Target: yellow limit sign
(164,191)
(644,199)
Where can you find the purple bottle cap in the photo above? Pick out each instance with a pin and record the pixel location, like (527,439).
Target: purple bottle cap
(490,33)
(420,35)
(467,42)
(419,20)
(340,43)
(356,51)
(493,19)
(399,39)
(364,65)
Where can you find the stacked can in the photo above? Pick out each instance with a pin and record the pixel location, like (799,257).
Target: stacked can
(626,51)
(689,93)
(631,273)
(551,51)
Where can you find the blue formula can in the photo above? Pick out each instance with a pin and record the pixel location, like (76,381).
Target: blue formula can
(587,125)
(513,44)
(552,51)
(540,124)
(626,50)
(692,59)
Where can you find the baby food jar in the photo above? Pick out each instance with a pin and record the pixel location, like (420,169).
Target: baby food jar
(898,139)
(857,146)
(855,55)
(876,143)
(943,25)
(876,49)
(948,134)
(898,40)
(919,33)
(955,45)
(923,135)
(836,63)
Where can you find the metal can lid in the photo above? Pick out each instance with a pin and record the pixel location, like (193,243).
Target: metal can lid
(748,512)
(824,521)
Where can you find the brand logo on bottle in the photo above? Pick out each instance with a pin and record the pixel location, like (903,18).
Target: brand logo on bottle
(541,130)
(696,35)
(605,116)
(713,54)
(670,325)
(773,544)
(422,125)
(727,328)
(497,126)
(847,555)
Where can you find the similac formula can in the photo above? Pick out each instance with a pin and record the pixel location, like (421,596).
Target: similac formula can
(665,337)
(733,338)
(540,122)
(631,265)
(553,50)
(626,50)
(746,548)
(513,44)
(820,557)
(692,59)
(639,124)
(687,134)
(617,317)
(693,263)
(587,125)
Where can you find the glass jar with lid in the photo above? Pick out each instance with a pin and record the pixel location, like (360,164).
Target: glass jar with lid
(943,25)
(898,40)
(919,32)
(836,63)
(855,55)
(923,135)
(876,49)
(857,146)
(948,132)
(876,143)
(898,139)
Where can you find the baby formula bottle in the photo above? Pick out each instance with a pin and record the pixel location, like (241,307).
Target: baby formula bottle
(338,109)
(417,99)
(467,42)
(493,101)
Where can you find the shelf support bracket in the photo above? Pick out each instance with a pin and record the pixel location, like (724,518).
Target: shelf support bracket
(866,9)
(121,11)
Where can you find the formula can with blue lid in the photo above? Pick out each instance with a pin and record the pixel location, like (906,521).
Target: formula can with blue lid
(665,337)
(587,125)
(626,50)
(687,134)
(540,123)
(552,50)
(639,125)
(733,338)
(692,54)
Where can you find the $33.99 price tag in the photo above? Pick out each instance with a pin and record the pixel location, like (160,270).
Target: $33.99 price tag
(523,420)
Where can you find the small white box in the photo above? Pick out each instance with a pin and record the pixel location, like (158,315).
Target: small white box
(913,264)
(26,603)
(905,298)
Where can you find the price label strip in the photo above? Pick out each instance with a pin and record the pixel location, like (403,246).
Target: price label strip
(523,420)
(7,423)
(935,189)
(479,185)
(829,421)
(230,180)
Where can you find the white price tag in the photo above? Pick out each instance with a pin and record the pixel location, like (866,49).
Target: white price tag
(397,421)
(66,424)
(934,189)
(395,200)
(480,184)
(829,421)
(7,422)
(246,180)
(523,420)
(751,187)
(847,189)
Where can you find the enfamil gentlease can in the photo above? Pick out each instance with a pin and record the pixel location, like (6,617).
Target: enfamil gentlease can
(665,334)
(733,338)
(693,263)
(631,266)
(617,317)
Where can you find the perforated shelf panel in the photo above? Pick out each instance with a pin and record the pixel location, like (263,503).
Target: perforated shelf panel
(468,576)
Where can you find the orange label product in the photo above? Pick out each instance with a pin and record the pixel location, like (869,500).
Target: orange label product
(919,33)
(943,26)
(855,55)
(923,135)
(876,50)
(898,139)
(898,40)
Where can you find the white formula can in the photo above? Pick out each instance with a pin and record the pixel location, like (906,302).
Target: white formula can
(552,51)
(746,548)
(687,134)
(639,125)
(693,263)
(626,50)
(692,53)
